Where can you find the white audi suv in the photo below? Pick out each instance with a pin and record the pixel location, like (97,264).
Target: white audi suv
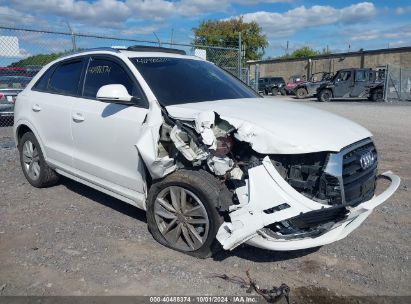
(213,164)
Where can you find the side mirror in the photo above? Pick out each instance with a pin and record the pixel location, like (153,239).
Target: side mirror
(116,93)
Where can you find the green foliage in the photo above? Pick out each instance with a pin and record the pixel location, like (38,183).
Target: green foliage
(305,52)
(39,59)
(225,34)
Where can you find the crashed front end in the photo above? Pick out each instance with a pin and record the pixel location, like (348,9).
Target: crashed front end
(276,216)
(279,201)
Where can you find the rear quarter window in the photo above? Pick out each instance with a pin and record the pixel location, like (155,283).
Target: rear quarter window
(66,78)
(43,82)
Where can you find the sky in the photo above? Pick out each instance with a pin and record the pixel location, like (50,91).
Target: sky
(338,25)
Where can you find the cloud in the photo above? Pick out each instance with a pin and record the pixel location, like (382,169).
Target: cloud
(403,10)
(400,32)
(103,12)
(116,12)
(10,16)
(288,23)
(141,30)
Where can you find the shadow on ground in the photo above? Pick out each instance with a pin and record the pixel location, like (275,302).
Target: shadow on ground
(104,199)
(244,251)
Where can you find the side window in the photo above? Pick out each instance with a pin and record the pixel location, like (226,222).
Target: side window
(344,76)
(43,82)
(101,72)
(360,75)
(66,78)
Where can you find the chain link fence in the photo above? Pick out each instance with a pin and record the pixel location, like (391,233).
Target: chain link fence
(23,52)
(397,83)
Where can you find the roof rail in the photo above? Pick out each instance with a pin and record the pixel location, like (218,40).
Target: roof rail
(144,48)
(110,49)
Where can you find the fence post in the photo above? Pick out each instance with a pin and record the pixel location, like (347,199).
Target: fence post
(400,85)
(239,55)
(386,82)
(73,37)
(256,76)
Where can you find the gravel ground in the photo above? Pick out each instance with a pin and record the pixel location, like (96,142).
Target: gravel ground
(73,240)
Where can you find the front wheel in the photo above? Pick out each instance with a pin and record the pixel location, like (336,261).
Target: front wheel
(324,96)
(274,91)
(301,93)
(182,212)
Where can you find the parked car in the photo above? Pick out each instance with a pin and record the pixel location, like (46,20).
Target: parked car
(10,86)
(13,71)
(309,88)
(32,70)
(353,83)
(212,163)
(293,81)
(266,85)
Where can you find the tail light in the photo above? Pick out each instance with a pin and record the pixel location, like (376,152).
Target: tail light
(1,96)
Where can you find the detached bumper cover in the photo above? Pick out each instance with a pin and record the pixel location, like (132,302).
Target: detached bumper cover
(265,191)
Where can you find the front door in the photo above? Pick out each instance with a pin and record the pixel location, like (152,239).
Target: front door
(343,84)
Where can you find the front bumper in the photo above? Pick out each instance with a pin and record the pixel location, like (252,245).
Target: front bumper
(265,191)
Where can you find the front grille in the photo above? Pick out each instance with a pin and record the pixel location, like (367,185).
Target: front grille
(359,184)
(318,217)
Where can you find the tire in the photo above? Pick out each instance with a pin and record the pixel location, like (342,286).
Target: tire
(283,92)
(377,95)
(324,96)
(301,93)
(172,228)
(35,169)
(274,91)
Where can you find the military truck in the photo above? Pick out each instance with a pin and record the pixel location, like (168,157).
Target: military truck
(309,88)
(354,83)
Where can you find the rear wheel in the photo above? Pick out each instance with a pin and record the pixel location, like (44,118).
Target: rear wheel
(283,92)
(182,212)
(35,169)
(274,91)
(324,96)
(377,95)
(301,93)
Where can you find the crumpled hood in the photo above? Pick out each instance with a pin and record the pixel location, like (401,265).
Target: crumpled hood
(278,127)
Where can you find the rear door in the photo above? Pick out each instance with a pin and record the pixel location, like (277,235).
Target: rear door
(105,133)
(51,101)
(344,84)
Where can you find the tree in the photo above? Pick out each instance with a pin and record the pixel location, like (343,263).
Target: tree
(305,52)
(225,34)
(40,59)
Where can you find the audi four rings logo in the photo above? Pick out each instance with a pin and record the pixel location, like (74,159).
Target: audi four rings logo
(367,160)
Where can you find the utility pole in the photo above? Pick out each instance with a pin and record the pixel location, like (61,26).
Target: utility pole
(286,49)
(239,56)
(171,38)
(73,37)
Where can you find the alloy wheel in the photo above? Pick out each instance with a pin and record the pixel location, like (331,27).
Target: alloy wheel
(181,218)
(31,160)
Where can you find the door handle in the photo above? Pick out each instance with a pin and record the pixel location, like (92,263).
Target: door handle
(78,117)
(36,108)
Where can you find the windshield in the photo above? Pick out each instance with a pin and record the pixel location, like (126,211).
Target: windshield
(177,80)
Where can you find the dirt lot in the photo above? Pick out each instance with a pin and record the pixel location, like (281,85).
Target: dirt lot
(73,240)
